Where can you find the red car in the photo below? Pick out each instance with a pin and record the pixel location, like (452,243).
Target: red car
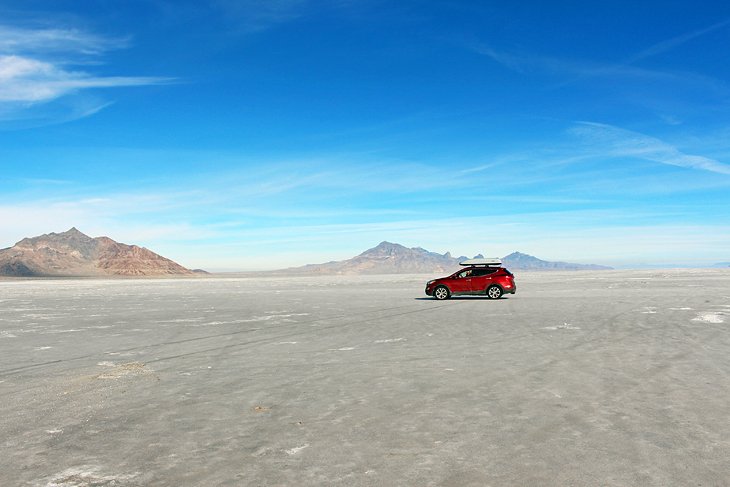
(480,276)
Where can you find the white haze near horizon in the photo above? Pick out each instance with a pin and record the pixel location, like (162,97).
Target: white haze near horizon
(577,238)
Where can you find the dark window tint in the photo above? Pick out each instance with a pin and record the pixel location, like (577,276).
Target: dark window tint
(508,273)
(484,271)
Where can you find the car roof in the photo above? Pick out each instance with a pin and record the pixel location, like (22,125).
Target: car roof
(491,262)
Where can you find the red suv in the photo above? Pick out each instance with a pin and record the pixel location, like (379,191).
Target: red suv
(490,279)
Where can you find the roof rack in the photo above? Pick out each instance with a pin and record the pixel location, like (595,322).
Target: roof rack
(482,262)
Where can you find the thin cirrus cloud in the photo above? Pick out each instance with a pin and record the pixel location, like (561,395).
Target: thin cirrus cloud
(528,63)
(557,67)
(36,71)
(522,62)
(612,141)
(570,71)
(674,42)
(258,15)
(15,39)
(28,80)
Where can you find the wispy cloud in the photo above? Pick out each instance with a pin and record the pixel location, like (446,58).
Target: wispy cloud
(575,69)
(674,42)
(258,15)
(43,41)
(35,69)
(253,16)
(611,141)
(28,80)
(572,70)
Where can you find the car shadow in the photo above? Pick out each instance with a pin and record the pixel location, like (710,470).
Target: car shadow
(460,298)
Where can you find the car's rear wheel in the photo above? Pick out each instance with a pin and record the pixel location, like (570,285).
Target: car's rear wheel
(441,293)
(494,292)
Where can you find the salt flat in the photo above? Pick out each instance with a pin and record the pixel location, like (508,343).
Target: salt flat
(585,378)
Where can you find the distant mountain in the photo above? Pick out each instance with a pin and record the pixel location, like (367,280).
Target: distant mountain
(518,260)
(393,258)
(386,258)
(74,254)
(722,264)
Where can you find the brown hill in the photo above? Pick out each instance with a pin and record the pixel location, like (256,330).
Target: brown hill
(72,253)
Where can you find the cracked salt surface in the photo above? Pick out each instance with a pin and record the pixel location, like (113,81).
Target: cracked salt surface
(123,370)
(390,340)
(268,317)
(88,476)
(710,317)
(194,406)
(296,449)
(564,326)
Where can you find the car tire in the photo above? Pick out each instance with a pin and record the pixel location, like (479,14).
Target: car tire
(494,292)
(441,293)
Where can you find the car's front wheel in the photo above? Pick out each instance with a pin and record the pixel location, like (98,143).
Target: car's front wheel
(494,292)
(441,293)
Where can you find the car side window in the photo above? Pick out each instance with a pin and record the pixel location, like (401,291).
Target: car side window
(484,271)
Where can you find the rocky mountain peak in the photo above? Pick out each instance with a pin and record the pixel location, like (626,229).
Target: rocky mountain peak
(386,248)
(520,255)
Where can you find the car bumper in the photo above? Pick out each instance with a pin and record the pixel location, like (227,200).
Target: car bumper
(430,286)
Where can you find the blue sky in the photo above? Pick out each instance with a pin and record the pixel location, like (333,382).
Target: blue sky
(254,134)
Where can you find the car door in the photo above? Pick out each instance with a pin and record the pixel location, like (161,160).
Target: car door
(461,282)
(481,279)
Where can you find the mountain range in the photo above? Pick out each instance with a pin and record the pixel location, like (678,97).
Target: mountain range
(73,254)
(393,258)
